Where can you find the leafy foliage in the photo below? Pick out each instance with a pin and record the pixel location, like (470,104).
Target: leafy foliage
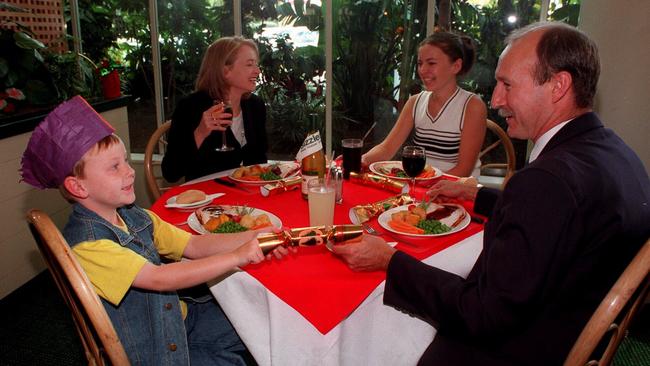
(375,53)
(44,77)
(369,45)
(293,90)
(95,19)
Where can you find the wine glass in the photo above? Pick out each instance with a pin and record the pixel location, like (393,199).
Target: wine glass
(414,158)
(227,108)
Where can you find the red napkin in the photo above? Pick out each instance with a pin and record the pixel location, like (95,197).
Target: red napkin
(314,281)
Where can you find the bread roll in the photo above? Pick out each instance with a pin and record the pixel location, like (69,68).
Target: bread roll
(190,196)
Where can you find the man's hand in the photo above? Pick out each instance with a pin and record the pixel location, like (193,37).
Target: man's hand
(371,253)
(444,191)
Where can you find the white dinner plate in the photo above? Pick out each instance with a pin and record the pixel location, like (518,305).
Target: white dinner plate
(194,224)
(289,169)
(386,216)
(383,168)
(171,202)
(353,217)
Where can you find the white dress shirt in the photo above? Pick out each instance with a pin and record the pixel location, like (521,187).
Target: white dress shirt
(238,129)
(544,139)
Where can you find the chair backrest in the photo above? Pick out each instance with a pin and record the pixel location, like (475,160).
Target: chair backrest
(95,329)
(505,141)
(155,181)
(614,314)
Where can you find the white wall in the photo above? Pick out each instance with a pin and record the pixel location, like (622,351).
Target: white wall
(20,259)
(621,29)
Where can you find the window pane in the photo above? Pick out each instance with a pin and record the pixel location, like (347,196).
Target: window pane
(488,23)
(564,11)
(292,59)
(375,53)
(186,28)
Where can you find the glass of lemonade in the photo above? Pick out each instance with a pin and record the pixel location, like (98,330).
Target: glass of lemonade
(321,196)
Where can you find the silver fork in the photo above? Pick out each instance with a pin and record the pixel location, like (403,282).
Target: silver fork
(370,229)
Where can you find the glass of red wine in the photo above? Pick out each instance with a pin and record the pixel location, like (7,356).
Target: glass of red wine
(227,108)
(414,158)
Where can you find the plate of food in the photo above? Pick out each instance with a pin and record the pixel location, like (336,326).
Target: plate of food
(190,199)
(425,219)
(394,170)
(265,173)
(230,219)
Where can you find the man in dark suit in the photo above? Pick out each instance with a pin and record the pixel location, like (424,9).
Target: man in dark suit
(558,236)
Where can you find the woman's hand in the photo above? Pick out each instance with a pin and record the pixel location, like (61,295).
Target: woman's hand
(213,119)
(447,191)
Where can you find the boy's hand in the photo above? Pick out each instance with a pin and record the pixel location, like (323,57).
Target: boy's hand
(280,252)
(249,252)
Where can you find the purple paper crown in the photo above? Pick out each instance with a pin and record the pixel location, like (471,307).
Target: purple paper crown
(60,141)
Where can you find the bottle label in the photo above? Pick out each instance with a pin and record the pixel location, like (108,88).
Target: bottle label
(311,145)
(305,183)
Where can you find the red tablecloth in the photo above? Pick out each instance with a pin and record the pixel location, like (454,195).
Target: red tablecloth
(313,281)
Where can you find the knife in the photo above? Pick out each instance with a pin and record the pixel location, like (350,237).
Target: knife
(227,183)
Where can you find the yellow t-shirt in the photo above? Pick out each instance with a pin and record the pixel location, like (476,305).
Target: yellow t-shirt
(112,268)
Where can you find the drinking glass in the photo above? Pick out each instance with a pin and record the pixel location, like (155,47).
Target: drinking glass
(321,195)
(351,156)
(227,108)
(414,158)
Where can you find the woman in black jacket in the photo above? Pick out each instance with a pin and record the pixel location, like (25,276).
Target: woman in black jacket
(228,73)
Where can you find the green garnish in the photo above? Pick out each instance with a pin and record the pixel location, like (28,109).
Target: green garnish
(230,227)
(401,174)
(433,227)
(270,176)
(424,204)
(244,210)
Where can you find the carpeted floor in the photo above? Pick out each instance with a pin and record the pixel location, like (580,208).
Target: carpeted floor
(38,330)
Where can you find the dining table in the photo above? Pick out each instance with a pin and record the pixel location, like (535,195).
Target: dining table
(309,308)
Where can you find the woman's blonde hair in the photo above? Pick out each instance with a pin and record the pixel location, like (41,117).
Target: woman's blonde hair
(220,54)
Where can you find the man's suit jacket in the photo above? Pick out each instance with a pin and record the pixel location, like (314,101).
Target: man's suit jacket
(558,237)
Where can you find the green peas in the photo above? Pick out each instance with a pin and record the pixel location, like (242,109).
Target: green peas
(433,227)
(230,227)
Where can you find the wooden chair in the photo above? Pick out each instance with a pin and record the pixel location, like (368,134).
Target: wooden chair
(156,184)
(614,314)
(101,344)
(504,140)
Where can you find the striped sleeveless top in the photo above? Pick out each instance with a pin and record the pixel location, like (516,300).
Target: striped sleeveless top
(440,134)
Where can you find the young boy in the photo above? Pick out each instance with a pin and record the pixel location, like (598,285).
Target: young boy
(121,246)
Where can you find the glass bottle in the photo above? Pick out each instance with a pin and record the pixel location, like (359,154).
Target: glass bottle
(311,157)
